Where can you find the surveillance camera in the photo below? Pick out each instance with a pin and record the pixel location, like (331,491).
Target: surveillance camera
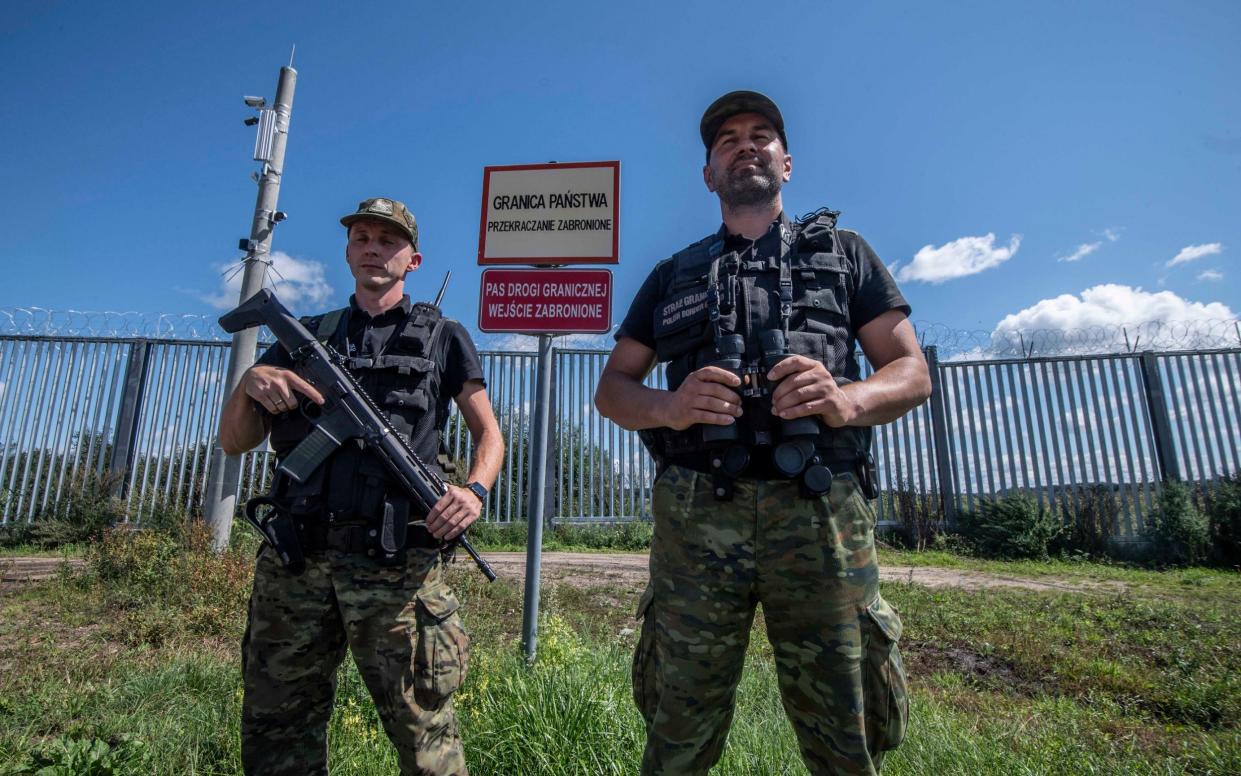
(255,102)
(278,216)
(251,121)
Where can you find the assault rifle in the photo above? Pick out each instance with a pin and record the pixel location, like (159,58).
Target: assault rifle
(347,413)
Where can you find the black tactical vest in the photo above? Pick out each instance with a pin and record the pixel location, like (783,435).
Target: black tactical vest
(404,382)
(819,325)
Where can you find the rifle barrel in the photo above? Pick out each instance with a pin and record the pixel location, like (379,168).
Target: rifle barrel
(440,296)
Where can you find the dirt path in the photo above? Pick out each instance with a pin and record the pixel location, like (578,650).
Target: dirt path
(630,571)
(17,571)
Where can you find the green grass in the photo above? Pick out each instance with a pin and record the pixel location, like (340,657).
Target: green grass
(631,536)
(133,665)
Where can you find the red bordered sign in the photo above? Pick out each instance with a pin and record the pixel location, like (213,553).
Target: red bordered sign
(545,301)
(550,214)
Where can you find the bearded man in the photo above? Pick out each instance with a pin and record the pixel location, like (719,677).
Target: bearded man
(762,445)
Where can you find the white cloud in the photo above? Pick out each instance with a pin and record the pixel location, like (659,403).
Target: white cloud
(1210,274)
(298,282)
(1111,234)
(1111,304)
(957,259)
(1110,312)
(1082,251)
(1191,252)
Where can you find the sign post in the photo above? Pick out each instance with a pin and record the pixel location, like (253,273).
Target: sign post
(546,215)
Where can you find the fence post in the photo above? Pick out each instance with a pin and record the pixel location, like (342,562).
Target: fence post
(537,506)
(939,436)
(1161,421)
(125,441)
(551,489)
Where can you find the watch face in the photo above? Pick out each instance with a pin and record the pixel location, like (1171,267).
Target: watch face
(478,490)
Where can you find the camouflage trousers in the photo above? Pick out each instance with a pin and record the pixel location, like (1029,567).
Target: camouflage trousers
(811,564)
(402,626)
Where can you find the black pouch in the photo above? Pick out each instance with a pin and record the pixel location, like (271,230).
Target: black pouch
(867,476)
(278,529)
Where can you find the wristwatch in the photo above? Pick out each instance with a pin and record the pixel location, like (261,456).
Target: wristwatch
(477,490)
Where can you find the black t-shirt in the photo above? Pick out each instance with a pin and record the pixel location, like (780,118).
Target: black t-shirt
(876,292)
(342,486)
(456,355)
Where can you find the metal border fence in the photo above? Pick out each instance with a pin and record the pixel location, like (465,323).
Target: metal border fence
(138,416)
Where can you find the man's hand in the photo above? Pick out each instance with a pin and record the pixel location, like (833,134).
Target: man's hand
(273,387)
(704,397)
(807,388)
(453,513)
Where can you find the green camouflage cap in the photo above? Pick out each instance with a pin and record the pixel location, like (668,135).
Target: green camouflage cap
(739,102)
(389,210)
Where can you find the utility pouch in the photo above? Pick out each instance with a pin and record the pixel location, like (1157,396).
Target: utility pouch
(867,476)
(392,533)
(277,527)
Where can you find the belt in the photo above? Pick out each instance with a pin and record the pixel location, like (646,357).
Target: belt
(318,535)
(761,467)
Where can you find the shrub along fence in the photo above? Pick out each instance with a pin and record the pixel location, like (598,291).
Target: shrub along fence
(1084,435)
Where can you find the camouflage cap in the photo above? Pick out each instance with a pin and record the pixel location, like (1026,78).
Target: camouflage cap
(739,102)
(389,210)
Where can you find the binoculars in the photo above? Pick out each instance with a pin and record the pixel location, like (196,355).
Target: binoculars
(792,442)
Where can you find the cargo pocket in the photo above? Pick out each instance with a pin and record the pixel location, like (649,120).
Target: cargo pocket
(645,696)
(884,686)
(441,656)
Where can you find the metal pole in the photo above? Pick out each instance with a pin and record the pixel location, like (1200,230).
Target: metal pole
(538,499)
(1161,422)
(225,471)
(125,441)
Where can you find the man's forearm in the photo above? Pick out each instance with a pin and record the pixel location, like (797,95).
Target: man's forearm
(630,404)
(487,459)
(242,427)
(890,392)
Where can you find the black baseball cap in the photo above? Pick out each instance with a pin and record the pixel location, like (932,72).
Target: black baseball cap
(739,102)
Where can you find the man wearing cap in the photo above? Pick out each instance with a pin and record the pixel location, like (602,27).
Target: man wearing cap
(398,617)
(762,444)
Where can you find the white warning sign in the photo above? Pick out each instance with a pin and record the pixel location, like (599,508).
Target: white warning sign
(550,214)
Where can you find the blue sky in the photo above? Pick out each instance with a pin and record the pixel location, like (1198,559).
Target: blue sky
(1018,166)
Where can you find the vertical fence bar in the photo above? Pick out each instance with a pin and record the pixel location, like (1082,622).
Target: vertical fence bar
(1192,391)
(1207,405)
(1219,365)
(44,404)
(1161,424)
(1131,498)
(124,444)
(79,379)
(18,420)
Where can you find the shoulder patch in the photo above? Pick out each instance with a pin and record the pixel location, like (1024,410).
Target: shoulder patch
(680,310)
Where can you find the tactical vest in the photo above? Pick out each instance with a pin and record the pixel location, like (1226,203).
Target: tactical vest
(822,287)
(404,382)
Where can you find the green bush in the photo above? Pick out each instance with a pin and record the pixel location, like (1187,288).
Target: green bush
(86,508)
(1012,526)
(1224,514)
(171,585)
(1178,531)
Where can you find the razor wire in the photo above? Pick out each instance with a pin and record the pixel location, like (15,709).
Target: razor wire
(953,343)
